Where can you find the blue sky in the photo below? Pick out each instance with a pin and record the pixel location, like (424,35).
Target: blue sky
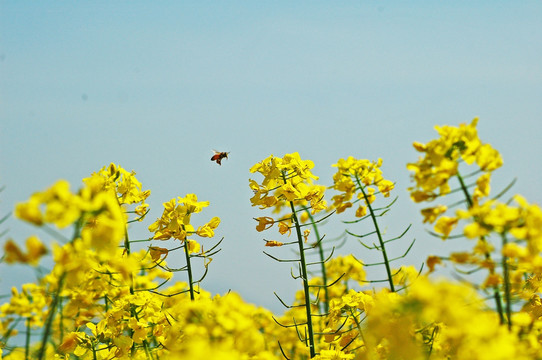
(155,87)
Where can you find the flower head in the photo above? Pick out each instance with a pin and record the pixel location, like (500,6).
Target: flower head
(286,180)
(360,177)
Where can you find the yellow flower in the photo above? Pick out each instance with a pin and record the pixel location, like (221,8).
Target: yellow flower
(284,228)
(441,160)
(482,186)
(104,231)
(432,213)
(191,204)
(117,180)
(287,181)
(445,225)
(193,246)
(141,210)
(333,355)
(264,223)
(70,342)
(306,234)
(208,230)
(432,261)
(35,250)
(488,158)
(30,211)
(352,176)
(157,253)
(385,186)
(176,217)
(361,211)
(491,281)
(273,243)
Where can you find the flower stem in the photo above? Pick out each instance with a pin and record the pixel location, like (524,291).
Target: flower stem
(321,254)
(133,310)
(381,241)
(358,325)
(464,189)
(496,293)
(189,269)
(27,340)
(305,281)
(50,317)
(506,276)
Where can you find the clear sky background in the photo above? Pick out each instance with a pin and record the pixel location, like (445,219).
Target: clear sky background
(154,87)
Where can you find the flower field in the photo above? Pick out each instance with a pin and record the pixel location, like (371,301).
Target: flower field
(108,296)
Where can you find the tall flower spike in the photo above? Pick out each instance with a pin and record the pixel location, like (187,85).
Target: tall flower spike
(175,222)
(442,156)
(288,182)
(362,179)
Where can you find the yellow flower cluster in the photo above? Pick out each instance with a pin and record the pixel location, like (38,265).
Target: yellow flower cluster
(286,179)
(523,221)
(363,177)
(442,157)
(349,270)
(442,320)
(102,299)
(175,221)
(35,250)
(440,163)
(97,207)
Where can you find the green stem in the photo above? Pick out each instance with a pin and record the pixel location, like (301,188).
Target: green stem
(381,241)
(358,325)
(50,317)
(27,340)
(61,322)
(133,311)
(323,265)
(496,293)
(506,284)
(94,355)
(464,189)
(189,269)
(305,281)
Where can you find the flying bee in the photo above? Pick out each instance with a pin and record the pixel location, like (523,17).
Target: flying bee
(219,155)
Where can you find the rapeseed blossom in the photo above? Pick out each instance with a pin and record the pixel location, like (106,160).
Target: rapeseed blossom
(362,177)
(175,221)
(286,179)
(442,157)
(35,250)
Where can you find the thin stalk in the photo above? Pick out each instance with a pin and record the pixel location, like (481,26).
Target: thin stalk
(506,274)
(133,311)
(496,293)
(322,258)
(358,325)
(127,251)
(189,269)
(61,327)
(379,235)
(27,340)
(305,281)
(94,354)
(50,317)
(465,190)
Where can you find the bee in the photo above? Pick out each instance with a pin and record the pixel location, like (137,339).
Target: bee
(219,155)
